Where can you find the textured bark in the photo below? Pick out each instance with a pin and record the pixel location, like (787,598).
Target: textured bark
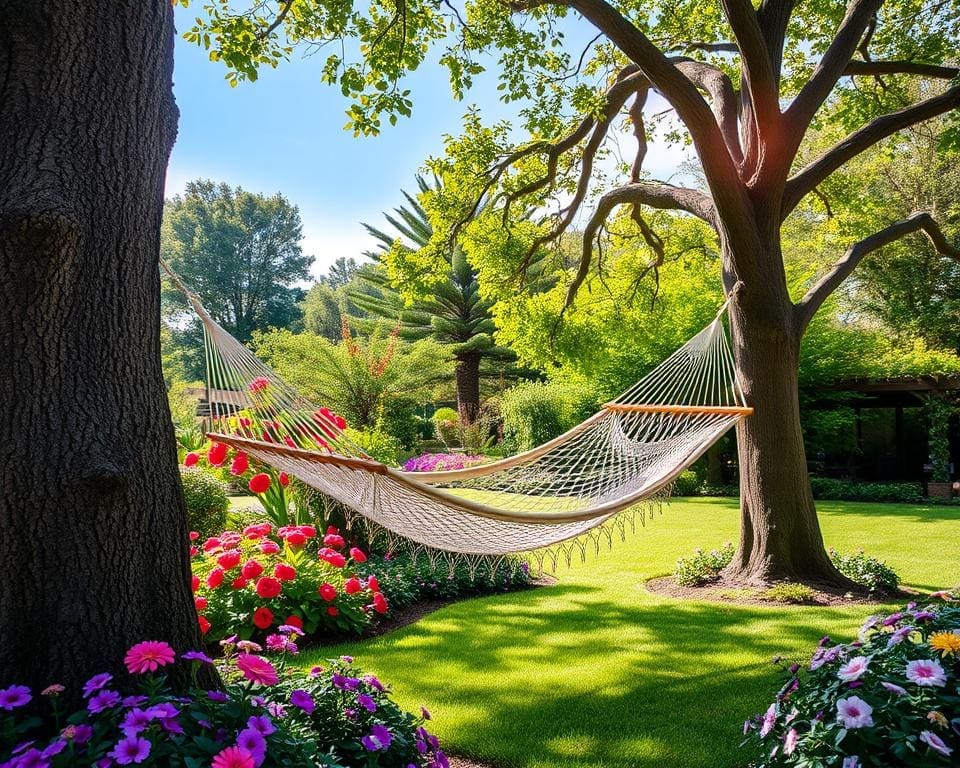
(94,527)
(467,372)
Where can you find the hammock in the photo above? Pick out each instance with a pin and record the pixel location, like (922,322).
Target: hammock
(629,452)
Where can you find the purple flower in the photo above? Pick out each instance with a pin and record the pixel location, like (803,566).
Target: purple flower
(350,714)
(374,683)
(768,720)
(316,671)
(344,683)
(81,734)
(163,711)
(254,742)
(131,749)
(218,696)
(924,616)
(892,619)
(379,738)
(893,688)
(304,701)
(55,748)
(134,701)
(32,758)
(899,636)
(425,713)
(348,659)
(289,629)
(277,710)
(367,703)
(790,742)
(440,760)
(14,696)
(935,743)
(102,700)
(136,720)
(199,656)
(261,724)
(95,683)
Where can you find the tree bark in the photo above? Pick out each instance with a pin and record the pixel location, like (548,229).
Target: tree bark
(467,372)
(94,540)
(780,536)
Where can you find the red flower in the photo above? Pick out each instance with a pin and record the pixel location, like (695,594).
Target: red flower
(333,540)
(290,444)
(244,421)
(308,530)
(284,477)
(260,383)
(268,587)
(217,454)
(328,592)
(194,535)
(294,621)
(193,551)
(334,558)
(266,437)
(240,465)
(269,547)
(194,583)
(332,529)
(229,559)
(373,584)
(332,610)
(259,483)
(239,582)
(211,544)
(200,602)
(258,531)
(295,539)
(357,555)
(340,421)
(191,459)
(262,617)
(215,578)
(204,624)
(379,603)
(352,586)
(284,572)
(251,569)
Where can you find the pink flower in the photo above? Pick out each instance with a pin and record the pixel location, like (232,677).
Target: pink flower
(853,669)
(357,555)
(148,656)
(257,669)
(854,712)
(768,720)
(894,688)
(229,559)
(269,547)
(935,743)
(233,757)
(215,578)
(380,603)
(334,540)
(926,672)
(251,569)
(790,741)
(260,383)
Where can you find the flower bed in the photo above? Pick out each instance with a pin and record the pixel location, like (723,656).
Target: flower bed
(247,583)
(266,715)
(889,699)
(440,462)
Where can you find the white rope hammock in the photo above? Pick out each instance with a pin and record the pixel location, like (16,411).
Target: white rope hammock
(629,452)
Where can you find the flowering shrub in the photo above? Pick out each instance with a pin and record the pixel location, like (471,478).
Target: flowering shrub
(867,571)
(889,699)
(265,715)
(703,567)
(247,583)
(436,462)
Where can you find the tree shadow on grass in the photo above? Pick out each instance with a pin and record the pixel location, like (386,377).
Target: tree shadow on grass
(563,676)
(917,513)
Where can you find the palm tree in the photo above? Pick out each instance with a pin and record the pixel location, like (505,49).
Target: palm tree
(455,315)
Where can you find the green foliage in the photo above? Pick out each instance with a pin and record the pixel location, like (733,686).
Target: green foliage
(702,567)
(687,484)
(183,405)
(937,412)
(851,490)
(444,414)
(207,501)
(378,444)
(866,571)
(788,592)
(535,412)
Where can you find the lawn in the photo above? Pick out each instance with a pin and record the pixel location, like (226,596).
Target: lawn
(595,671)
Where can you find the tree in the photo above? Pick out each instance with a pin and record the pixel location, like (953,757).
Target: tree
(745,83)
(453,314)
(341,272)
(240,251)
(93,517)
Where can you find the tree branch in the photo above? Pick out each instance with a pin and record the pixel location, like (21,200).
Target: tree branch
(806,308)
(831,67)
(699,45)
(723,100)
(877,129)
(857,67)
(654,194)
(287,5)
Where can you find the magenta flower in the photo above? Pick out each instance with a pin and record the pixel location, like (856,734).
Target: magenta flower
(894,688)
(854,712)
(790,742)
(257,669)
(254,742)
(131,749)
(926,672)
(15,696)
(367,703)
(768,720)
(102,700)
(378,739)
(233,757)
(304,701)
(148,656)
(935,743)
(853,669)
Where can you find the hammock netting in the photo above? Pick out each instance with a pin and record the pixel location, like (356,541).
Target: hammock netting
(621,458)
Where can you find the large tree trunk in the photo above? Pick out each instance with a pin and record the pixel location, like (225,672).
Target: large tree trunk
(780,535)
(94,540)
(467,373)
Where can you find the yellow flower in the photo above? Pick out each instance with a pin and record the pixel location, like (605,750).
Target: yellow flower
(945,642)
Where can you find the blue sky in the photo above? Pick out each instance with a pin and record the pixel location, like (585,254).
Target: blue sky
(284,133)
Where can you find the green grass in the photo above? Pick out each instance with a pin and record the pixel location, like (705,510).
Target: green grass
(595,671)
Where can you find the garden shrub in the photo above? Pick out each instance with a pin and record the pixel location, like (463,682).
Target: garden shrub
(535,412)
(377,444)
(207,501)
(401,421)
(267,715)
(889,699)
(867,571)
(686,484)
(404,581)
(828,488)
(247,584)
(703,567)
(789,592)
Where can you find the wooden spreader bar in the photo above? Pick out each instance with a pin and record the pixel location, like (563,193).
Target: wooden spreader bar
(724,410)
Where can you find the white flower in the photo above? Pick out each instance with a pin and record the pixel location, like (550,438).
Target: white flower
(854,712)
(853,669)
(926,672)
